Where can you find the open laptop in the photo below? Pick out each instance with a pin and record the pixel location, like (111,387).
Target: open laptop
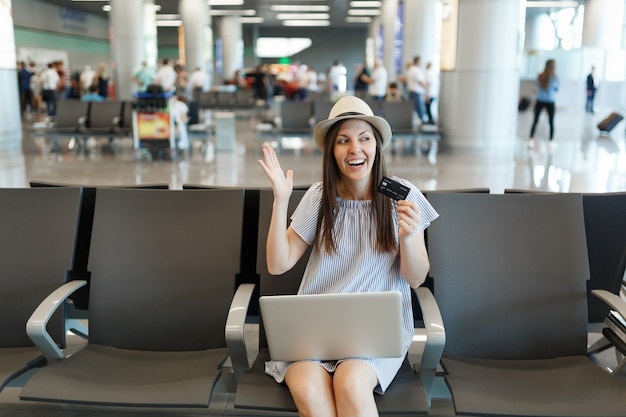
(333,326)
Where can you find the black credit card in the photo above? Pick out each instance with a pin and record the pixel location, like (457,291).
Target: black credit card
(393,189)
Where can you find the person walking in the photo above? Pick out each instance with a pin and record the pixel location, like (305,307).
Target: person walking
(592,87)
(547,87)
(418,86)
(432,78)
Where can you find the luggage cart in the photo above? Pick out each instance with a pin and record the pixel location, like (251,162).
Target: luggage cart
(153,125)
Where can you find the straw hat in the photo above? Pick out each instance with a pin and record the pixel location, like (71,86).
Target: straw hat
(350,107)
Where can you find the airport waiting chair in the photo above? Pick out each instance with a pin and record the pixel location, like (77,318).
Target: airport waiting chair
(605,226)
(399,115)
(102,120)
(226,100)
(37,247)
(123,127)
(163,265)
(70,117)
(209,100)
(294,124)
(410,391)
(321,109)
(605,229)
(510,274)
(103,117)
(244,98)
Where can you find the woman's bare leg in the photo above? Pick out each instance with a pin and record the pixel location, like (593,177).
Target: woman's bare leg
(353,383)
(311,387)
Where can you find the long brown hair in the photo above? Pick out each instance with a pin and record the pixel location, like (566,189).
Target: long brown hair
(382,210)
(548,71)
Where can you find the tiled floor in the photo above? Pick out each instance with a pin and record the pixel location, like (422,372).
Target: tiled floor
(584,161)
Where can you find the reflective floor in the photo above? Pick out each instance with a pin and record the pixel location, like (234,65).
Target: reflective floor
(584,161)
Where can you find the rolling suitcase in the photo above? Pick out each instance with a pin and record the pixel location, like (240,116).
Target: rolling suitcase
(524,103)
(608,123)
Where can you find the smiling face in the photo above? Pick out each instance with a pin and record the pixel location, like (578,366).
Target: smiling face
(355,151)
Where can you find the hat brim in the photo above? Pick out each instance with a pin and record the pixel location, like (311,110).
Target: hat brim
(321,129)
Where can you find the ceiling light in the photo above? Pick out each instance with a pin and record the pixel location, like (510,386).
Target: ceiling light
(165,16)
(559,4)
(358,19)
(365,3)
(363,12)
(280,47)
(306,23)
(256,19)
(223,12)
(225,2)
(299,8)
(303,16)
(106,8)
(169,23)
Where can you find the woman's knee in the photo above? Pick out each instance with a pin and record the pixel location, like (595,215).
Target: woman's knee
(354,382)
(311,388)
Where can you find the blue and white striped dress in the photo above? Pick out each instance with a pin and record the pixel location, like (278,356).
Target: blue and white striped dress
(357,267)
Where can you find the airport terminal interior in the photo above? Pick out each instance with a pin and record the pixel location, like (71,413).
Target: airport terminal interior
(225,146)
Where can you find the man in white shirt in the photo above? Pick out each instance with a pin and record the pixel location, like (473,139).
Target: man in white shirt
(337,76)
(166,76)
(49,83)
(199,82)
(417,86)
(377,87)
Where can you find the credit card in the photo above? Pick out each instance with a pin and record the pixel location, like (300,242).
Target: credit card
(393,189)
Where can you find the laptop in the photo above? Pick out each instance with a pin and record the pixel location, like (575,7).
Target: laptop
(333,326)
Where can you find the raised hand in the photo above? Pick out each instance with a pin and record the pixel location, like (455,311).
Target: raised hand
(282,183)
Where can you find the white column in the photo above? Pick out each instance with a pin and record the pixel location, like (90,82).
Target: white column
(422,31)
(198,38)
(151,52)
(10,111)
(389,12)
(478,100)
(232,45)
(374,42)
(602,25)
(127,43)
(539,33)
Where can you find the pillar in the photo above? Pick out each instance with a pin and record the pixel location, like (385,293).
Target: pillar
(232,45)
(10,112)
(389,13)
(127,43)
(478,98)
(150,36)
(198,37)
(602,24)
(422,31)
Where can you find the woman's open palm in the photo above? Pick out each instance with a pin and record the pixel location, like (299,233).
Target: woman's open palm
(282,183)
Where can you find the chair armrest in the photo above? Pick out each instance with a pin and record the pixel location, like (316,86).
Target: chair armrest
(36,325)
(435,338)
(612,300)
(234,332)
